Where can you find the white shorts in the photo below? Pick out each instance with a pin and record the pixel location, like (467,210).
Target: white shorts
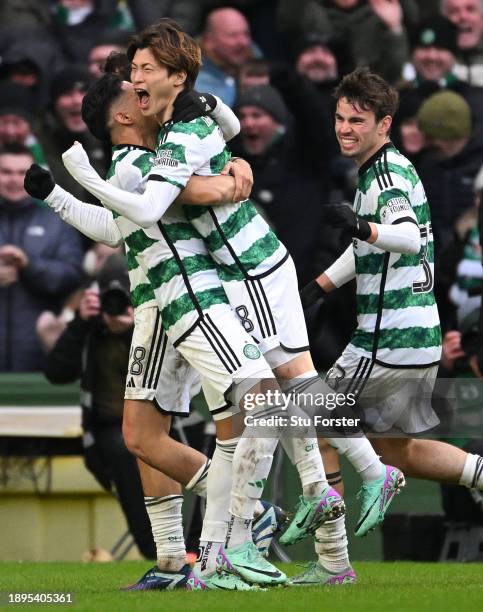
(157,371)
(270,310)
(224,355)
(392,399)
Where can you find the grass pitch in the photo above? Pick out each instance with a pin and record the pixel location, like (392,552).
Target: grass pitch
(388,587)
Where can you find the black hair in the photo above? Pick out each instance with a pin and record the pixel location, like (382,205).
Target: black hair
(15,148)
(118,63)
(97,102)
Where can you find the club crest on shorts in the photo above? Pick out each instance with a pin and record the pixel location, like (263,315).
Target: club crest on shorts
(251,352)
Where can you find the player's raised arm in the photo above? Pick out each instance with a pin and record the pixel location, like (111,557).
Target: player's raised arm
(144,210)
(93,221)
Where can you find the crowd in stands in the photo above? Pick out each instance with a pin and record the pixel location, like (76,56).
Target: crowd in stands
(275,62)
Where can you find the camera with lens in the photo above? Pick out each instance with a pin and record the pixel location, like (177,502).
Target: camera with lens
(114,299)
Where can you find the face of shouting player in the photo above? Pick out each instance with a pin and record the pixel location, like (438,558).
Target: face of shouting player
(359,134)
(155,87)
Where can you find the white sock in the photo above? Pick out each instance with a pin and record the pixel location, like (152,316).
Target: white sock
(251,466)
(167,527)
(472,475)
(361,455)
(215,523)
(304,451)
(239,532)
(199,481)
(331,546)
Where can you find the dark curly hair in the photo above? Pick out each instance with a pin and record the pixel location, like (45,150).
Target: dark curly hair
(369,91)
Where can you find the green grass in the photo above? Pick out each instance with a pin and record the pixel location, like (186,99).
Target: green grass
(387,587)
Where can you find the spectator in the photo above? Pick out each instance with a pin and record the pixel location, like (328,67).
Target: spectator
(40,262)
(30,60)
(17,119)
(433,57)
(109,43)
(78,24)
(185,12)
(64,125)
(95,348)
(226,46)
(447,170)
(467,16)
(450,164)
(375,30)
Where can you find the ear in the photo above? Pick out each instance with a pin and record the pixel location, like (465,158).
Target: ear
(123,118)
(180,78)
(385,124)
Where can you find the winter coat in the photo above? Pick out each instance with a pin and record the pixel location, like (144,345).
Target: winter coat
(54,270)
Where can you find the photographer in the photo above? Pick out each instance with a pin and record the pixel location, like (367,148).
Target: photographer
(95,348)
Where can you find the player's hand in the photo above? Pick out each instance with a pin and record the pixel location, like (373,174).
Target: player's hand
(191,104)
(476,365)
(8,275)
(243,175)
(11,255)
(38,182)
(90,305)
(341,215)
(311,294)
(74,157)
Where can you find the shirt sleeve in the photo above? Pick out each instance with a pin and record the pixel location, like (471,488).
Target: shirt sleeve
(343,269)
(93,221)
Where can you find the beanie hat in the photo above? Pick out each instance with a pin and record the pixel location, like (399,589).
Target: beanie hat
(16,100)
(74,78)
(436,32)
(445,115)
(267,98)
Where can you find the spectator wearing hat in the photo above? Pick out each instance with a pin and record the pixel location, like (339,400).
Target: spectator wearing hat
(289,185)
(17,112)
(375,31)
(467,16)
(450,163)
(64,124)
(434,45)
(40,263)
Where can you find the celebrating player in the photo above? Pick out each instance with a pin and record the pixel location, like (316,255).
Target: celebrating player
(392,359)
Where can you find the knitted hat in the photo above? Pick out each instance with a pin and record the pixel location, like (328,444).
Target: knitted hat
(436,32)
(445,115)
(16,100)
(74,78)
(267,98)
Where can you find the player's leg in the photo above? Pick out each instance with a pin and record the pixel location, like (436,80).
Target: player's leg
(219,349)
(431,460)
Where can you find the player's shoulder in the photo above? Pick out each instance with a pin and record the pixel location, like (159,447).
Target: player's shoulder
(199,128)
(129,165)
(389,169)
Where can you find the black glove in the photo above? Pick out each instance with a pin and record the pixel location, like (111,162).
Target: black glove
(38,182)
(311,294)
(191,104)
(341,215)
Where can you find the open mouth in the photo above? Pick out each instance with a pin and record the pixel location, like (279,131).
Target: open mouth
(143,97)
